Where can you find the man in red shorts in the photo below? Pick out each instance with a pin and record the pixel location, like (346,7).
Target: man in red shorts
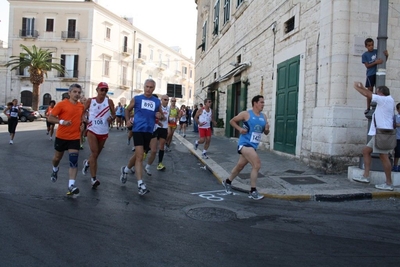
(204,118)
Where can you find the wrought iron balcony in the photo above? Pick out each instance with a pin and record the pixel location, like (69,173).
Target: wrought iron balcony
(28,33)
(126,51)
(70,35)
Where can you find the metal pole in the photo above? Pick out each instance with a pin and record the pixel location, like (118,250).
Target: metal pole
(382,40)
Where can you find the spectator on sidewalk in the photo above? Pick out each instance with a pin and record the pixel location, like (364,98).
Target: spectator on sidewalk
(195,126)
(254,125)
(396,167)
(383,117)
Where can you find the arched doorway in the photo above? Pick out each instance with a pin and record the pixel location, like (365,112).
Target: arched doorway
(26,98)
(46,99)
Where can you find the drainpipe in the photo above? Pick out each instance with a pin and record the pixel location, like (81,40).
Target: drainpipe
(133,63)
(316,73)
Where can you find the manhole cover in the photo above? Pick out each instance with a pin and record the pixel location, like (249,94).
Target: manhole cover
(211,214)
(295,172)
(301,180)
(247,175)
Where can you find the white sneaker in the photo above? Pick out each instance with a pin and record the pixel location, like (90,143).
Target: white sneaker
(147,170)
(360,179)
(384,186)
(11,142)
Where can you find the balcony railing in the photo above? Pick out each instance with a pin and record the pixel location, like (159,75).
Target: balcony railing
(139,86)
(142,58)
(125,82)
(162,66)
(28,33)
(126,51)
(70,35)
(69,74)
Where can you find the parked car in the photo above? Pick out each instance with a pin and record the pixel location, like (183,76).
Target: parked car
(35,113)
(3,117)
(42,110)
(27,114)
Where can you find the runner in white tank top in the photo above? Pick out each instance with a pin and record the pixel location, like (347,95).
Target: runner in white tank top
(101,112)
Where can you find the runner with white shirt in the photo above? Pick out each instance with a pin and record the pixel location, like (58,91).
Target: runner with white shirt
(101,113)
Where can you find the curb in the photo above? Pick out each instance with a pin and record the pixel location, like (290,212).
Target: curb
(220,174)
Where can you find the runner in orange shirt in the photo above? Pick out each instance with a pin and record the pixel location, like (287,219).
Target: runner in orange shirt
(68,114)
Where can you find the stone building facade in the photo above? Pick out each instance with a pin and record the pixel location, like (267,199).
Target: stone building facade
(303,57)
(94,45)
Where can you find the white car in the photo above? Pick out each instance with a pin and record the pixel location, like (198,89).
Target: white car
(42,110)
(3,117)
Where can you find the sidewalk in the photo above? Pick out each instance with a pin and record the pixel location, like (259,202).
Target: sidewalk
(285,178)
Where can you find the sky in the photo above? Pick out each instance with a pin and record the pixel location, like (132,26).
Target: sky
(173,22)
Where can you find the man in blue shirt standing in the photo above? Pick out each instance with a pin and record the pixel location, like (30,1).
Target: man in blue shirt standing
(370,60)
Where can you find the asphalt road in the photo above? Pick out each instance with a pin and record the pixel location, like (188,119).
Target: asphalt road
(185,220)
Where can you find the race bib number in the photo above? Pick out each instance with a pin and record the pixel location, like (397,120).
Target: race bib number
(172,119)
(255,138)
(148,104)
(98,122)
(13,114)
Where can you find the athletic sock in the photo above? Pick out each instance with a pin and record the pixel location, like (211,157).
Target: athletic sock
(253,189)
(71,182)
(139,182)
(55,169)
(160,155)
(126,170)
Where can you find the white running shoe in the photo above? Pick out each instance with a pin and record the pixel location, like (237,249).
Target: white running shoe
(360,179)
(384,186)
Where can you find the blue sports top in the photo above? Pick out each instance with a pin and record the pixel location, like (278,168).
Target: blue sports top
(255,127)
(145,113)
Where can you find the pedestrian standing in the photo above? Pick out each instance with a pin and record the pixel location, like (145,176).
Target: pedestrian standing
(370,59)
(101,113)
(382,118)
(396,120)
(146,108)
(254,125)
(204,118)
(12,112)
(68,114)
(195,127)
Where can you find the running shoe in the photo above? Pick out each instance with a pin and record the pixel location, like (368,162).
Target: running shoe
(384,186)
(72,190)
(184,135)
(85,166)
(255,195)
(142,190)
(11,142)
(124,175)
(204,155)
(361,179)
(196,145)
(160,167)
(95,183)
(147,170)
(54,176)
(228,187)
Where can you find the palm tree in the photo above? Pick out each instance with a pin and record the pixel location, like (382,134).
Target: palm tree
(38,62)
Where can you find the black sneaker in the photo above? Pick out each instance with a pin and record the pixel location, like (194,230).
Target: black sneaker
(95,183)
(73,190)
(54,176)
